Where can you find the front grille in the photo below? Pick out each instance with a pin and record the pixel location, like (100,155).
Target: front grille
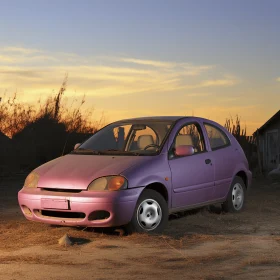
(61,190)
(60,214)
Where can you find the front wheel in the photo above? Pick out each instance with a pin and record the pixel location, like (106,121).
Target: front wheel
(150,214)
(236,196)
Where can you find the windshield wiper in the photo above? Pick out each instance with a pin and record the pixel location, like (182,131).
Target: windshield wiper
(103,152)
(115,151)
(86,151)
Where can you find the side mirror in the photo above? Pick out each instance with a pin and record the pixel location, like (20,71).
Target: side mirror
(184,150)
(77,146)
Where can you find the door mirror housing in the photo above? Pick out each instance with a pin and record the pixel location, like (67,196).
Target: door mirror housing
(77,146)
(184,150)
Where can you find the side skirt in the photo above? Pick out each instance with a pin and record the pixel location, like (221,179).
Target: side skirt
(189,207)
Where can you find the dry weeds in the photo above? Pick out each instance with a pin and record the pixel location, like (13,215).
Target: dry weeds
(46,260)
(205,245)
(263,261)
(16,115)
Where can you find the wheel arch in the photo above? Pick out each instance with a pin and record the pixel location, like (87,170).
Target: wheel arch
(242,174)
(160,188)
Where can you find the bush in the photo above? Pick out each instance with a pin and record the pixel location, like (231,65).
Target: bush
(48,130)
(248,143)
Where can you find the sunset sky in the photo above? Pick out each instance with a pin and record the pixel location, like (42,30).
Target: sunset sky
(138,58)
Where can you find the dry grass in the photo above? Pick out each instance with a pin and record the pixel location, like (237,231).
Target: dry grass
(206,245)
(214,278)
(209,259)
(46,260)
(263,261)
(23,234)
(15,115)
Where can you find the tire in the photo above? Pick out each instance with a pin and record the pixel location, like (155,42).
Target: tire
(236,196)
(150,214)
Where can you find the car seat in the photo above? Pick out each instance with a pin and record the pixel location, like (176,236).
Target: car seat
(144,140)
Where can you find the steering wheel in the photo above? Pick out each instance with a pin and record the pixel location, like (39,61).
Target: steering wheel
(151,145)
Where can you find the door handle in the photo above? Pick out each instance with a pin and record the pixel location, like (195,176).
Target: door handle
(207,161)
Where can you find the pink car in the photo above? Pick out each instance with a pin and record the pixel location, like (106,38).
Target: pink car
(136,172)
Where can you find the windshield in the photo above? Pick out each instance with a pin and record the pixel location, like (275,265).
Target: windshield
(127,138)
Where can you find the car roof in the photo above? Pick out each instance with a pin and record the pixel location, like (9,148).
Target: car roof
(164,118)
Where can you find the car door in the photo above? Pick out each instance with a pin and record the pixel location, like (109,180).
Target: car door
(224,156)
(192,176)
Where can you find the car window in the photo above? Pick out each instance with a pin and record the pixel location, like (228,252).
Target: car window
(217,138)
(190,134)
(127,138)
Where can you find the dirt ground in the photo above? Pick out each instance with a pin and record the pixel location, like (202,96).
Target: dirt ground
(202,244)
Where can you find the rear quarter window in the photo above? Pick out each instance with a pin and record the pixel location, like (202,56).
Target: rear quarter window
(217,138)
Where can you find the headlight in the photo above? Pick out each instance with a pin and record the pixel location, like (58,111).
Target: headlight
(111,183)
(31,180)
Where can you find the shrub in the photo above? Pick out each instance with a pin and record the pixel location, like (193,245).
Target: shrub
(45,130)
(248,143)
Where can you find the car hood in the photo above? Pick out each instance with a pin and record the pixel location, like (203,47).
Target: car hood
(78,171)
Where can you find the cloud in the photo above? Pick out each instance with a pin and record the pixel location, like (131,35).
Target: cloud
(278,79)
(221,82)
(154,63)
(184,68)
(24,56)
(6,59)
(198,94)
(32,70)
(20,50)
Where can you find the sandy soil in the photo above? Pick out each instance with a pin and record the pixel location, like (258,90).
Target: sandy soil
(201,244)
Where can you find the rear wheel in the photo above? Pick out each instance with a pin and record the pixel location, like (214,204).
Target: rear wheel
(150,214)
(236,196)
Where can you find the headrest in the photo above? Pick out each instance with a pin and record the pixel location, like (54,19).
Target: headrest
(144,140)
(183,140)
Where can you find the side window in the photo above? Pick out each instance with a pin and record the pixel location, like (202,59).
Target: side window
(190,135)
(217,137)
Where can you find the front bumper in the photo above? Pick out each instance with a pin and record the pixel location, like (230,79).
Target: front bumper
(77,209)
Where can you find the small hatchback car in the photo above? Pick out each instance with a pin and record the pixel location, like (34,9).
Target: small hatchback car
(135,172)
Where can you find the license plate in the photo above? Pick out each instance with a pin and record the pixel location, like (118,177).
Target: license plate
(55,204)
